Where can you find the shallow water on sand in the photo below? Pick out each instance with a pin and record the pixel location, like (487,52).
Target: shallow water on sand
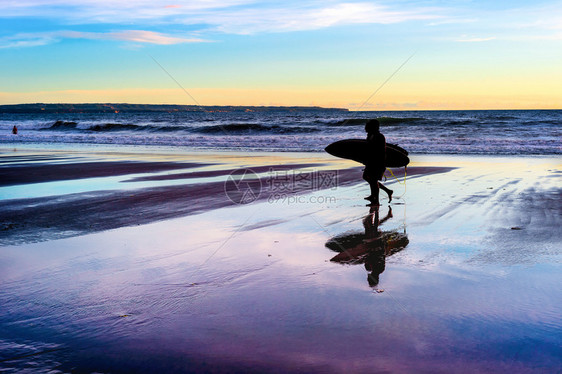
(469,284)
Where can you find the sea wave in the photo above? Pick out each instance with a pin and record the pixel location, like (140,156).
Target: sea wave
(384,121)
(62,125)
(114,127)
(227,128)
(254,128)
(442,132)
(106,127)
(232,128)
(387,121)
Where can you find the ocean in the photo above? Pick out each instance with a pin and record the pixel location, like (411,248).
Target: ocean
(487,132)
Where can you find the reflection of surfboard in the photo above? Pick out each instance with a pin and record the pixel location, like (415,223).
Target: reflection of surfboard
(358,150)
(354,248)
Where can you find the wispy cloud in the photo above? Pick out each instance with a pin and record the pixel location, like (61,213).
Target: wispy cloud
(136,36)
(555,36)
(248,21)
(475,39)
(231,16)
(512,21)
(253,17)
(452,20)
(27,40)
(111,11)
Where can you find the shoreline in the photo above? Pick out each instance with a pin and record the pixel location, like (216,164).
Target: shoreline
(135,192)
(144,149)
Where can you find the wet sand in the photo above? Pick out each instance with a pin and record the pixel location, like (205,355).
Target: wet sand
(155,262)
(27,218)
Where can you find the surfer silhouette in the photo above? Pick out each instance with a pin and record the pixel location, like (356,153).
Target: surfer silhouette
(15,130)
(375,164)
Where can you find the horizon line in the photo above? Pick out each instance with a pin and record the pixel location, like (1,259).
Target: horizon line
(282,106)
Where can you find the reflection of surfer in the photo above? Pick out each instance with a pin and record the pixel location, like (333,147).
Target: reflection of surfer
(376,259)
(371,222)
(370,248)
(376,162)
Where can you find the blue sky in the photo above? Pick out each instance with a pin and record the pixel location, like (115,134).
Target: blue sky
(467,54)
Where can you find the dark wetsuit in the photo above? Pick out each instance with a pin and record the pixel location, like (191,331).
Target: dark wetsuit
(375,165)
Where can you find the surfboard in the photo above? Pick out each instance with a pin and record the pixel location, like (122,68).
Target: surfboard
(358,150)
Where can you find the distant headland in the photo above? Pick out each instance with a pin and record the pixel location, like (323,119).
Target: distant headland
(132,108)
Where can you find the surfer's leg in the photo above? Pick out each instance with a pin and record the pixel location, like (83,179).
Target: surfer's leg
(387,190)
(374,198)
(368,177)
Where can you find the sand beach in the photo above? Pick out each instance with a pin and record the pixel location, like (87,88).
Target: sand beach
(116,260)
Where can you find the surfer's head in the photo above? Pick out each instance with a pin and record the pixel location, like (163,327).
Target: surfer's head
(372,125)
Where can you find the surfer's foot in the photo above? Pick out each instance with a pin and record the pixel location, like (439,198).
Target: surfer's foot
(368,197)
(390,195)
(372,201)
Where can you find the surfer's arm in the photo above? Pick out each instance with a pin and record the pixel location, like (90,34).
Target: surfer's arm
(383,146)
